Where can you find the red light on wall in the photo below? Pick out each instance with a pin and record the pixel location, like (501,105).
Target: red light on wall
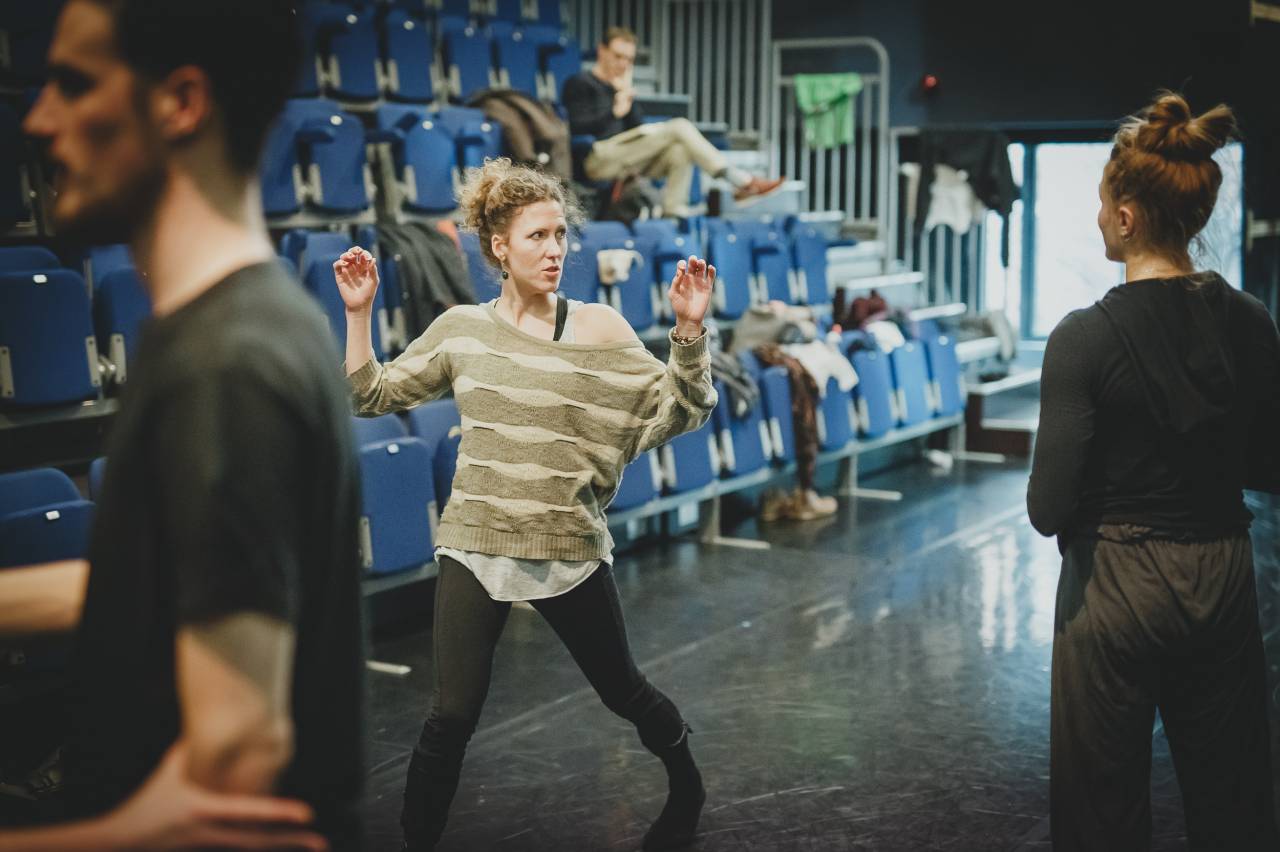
(929,84)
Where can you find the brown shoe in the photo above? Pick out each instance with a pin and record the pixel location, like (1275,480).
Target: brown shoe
(758,189)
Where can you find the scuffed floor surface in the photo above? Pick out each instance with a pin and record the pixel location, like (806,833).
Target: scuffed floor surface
(878,680)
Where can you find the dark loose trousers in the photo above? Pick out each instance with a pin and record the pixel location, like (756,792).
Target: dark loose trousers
(588,619)
(1145,623)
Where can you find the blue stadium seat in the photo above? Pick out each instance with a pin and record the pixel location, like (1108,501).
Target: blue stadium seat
(732,259)
(459,8)
(424,158)
(447,23)
(580,278)
(837,418)
(475,136)
(31,489)
(483,277)
(633,298)
(47,350)
(371,430)
(638,485)
(27,259)
(689,461)
(119,310)
(877,409)
(911,383)
(46,534)
(945,375)
(517,63)
(809,259)
(549,13)
(315,155)
(399,506)
(348,40)
(410,51)
(775,391)
(770,261)
(312,19)
(440,426)
(559,61)
(101,261)
(97,476)
(517,11)
(744,441)
(469,60)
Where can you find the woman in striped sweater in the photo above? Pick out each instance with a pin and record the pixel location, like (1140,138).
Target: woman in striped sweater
(556,397)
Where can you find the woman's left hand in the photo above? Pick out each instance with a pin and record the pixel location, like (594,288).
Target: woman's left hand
(690,294)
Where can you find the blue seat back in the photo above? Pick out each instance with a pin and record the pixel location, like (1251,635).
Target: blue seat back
(809,257)
(120,308)
(560,62)
(27,259)
(638,485)
(31,489)
(372,430)
(549,13)
(484,279)
(341,161)
(425,157)
(744,440)
(399,506)
(580,278)
(278,166)
(731,256)
(440,425)
(468,55)
(518,62)
(775,390)
(874,392)
(669,246)
(352,48)
(837,419)
(46,334)
(770,260)
(633,297)
(103,260)
(689,461)
(46,534)
(945,375)
(911,383)
(410,46)
(475,136)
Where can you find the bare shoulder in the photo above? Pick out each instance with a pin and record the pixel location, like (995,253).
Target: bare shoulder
(597,323)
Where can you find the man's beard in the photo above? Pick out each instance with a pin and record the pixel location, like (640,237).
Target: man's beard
(116,218)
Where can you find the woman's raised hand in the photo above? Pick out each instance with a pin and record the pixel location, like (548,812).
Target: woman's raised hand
(690,294)
(357,275)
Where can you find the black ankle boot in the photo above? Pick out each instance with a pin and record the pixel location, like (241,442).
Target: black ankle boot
(677,825)
(428,793)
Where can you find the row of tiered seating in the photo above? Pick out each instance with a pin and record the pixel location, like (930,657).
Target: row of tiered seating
(362,53)
(316,160)
(756,261)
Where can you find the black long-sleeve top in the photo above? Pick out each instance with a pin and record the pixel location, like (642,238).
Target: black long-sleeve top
(1159,404)
(589,102)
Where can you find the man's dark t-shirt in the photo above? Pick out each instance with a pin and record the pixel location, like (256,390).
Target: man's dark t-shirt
(231,487)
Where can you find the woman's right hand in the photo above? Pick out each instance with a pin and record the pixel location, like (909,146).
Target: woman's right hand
(357,275)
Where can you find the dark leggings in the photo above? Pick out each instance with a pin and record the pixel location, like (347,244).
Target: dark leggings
(588,620)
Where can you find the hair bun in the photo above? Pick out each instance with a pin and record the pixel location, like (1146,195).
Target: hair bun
(1168,129)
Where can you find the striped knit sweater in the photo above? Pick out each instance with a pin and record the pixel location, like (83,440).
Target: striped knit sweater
(547,427)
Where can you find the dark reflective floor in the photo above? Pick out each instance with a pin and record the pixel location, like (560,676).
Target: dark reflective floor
(879,680)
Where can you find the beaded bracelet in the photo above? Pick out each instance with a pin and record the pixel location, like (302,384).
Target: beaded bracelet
(685,341)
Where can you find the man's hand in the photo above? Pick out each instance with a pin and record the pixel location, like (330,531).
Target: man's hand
(622,100)
(170,812)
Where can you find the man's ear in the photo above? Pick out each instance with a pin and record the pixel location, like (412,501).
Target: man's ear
(182,103)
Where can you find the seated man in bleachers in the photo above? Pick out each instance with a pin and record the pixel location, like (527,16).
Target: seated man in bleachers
(601,103)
